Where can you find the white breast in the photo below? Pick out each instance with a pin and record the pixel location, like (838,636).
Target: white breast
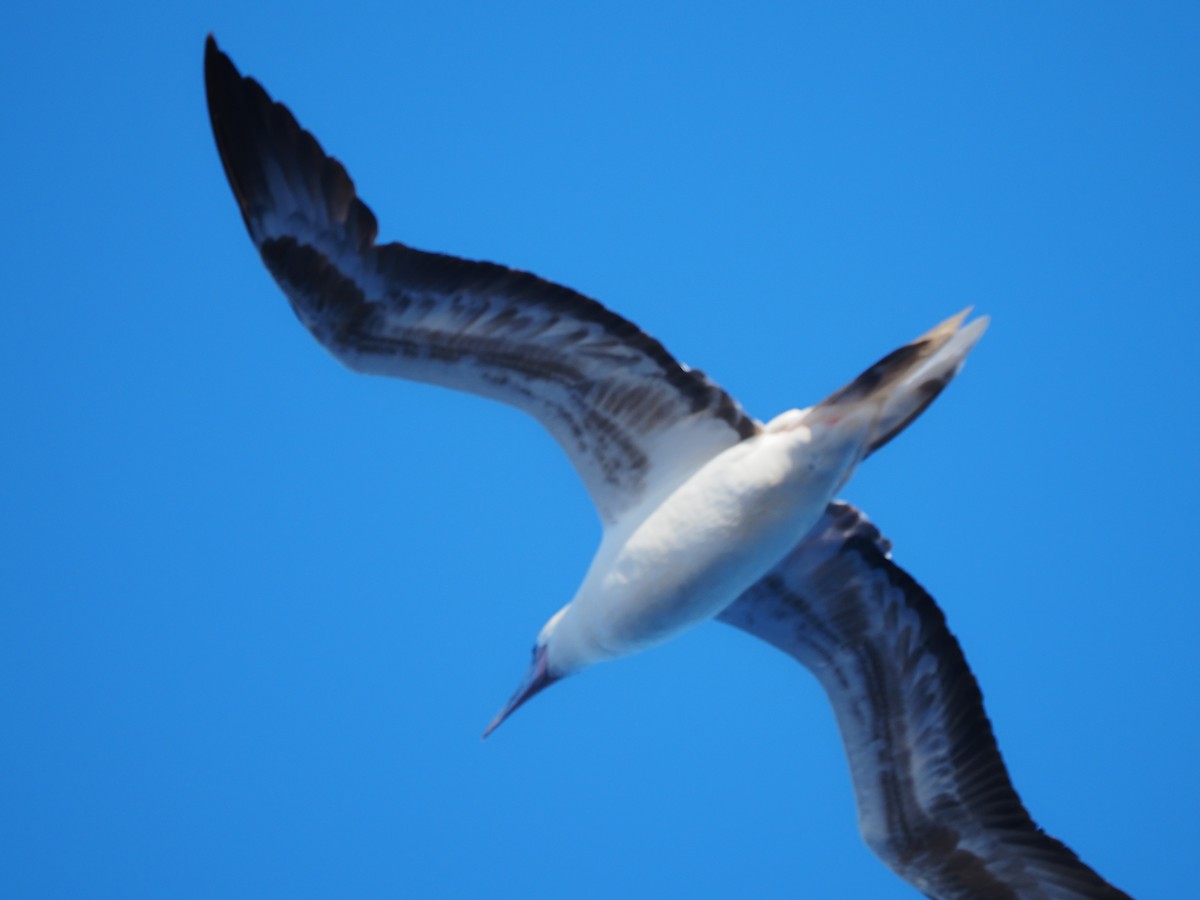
(707,542)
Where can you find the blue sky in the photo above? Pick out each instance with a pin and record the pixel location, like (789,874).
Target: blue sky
(258,610)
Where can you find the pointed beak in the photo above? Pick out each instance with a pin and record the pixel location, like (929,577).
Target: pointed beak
(536,679)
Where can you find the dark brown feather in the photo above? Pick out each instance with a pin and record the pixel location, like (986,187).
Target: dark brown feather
(606,390)
(935,799)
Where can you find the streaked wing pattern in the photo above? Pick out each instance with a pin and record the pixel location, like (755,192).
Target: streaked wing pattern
(935,801)
(634,421)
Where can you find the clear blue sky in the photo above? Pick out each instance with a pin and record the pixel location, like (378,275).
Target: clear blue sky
(257,610)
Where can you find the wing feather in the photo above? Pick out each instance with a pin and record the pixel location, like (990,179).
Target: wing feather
(935,801)
(634,421)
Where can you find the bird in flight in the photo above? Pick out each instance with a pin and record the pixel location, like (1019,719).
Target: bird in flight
(707,512)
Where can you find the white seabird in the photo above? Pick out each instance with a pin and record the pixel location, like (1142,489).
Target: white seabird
(705,509)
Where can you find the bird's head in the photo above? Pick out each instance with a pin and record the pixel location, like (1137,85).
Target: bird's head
(544,670)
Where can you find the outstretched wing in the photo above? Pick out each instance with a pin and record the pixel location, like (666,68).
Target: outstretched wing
(633,420)
(935,801)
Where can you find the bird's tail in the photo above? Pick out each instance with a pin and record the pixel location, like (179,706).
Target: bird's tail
(897,389)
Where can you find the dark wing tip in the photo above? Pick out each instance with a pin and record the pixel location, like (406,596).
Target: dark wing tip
(231,105)
(255,134)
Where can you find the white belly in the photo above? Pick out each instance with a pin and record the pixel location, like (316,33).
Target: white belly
(709,541)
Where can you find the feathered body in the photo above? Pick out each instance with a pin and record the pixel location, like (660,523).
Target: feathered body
(706,511)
